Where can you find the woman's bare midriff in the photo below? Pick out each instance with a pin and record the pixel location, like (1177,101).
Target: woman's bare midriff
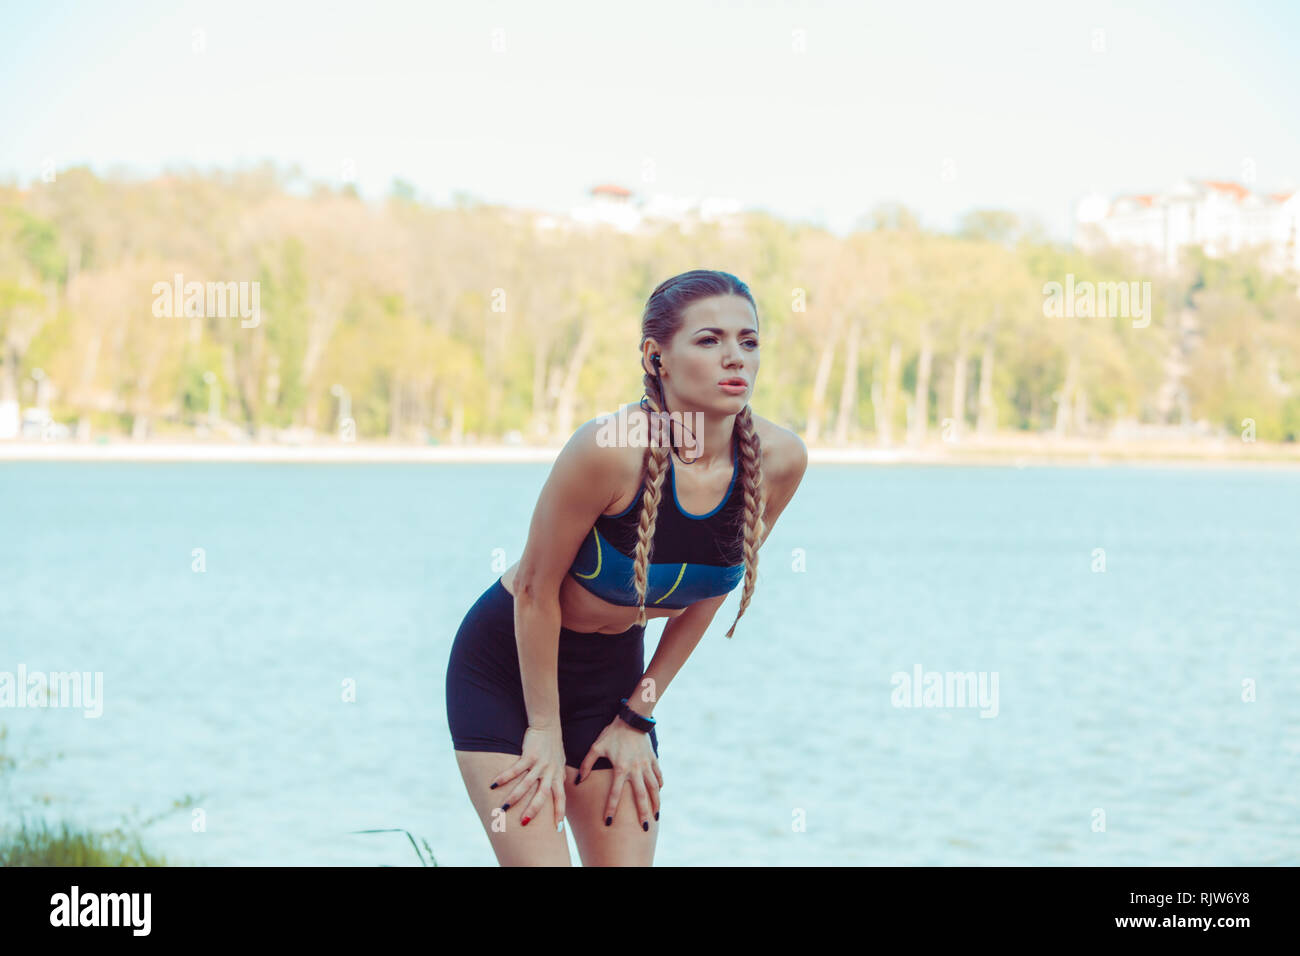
(582,611)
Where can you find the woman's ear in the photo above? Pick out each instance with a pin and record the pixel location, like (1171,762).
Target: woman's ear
(651,359)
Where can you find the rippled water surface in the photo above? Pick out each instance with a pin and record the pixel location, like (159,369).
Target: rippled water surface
(1140,623)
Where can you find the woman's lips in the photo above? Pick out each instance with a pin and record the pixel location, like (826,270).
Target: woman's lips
(733,389)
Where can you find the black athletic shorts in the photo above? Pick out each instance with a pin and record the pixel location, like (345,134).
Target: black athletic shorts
(485,694)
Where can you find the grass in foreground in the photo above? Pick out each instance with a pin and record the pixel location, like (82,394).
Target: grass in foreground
(64,845)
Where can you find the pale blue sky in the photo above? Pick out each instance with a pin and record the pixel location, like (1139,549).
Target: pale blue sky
(943,106)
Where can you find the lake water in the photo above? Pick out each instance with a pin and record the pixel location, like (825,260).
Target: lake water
(1146,713)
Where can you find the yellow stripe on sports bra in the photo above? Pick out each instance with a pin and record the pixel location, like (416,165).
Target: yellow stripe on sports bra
(675,583)
(595,573)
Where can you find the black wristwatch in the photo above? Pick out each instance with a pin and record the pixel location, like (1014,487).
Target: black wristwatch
(633,719)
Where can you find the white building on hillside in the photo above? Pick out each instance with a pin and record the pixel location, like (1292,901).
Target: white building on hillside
(1222,217)
(610,205)
(617,207)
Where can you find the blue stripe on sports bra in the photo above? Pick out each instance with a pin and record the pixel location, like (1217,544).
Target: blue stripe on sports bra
(611,577)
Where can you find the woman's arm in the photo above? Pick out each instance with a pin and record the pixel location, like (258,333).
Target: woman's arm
(794,462)
(582,484)
(681,634)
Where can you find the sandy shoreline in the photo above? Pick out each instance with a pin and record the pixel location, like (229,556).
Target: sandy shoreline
(1030,451)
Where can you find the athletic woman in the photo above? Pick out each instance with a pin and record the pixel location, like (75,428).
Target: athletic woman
(544,660)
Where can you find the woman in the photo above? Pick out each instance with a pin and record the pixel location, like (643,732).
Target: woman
(544,660)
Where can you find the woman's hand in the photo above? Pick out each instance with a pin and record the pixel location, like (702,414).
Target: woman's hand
(542,766)
(634,760)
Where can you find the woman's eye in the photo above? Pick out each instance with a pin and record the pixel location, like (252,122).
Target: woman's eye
(753,343)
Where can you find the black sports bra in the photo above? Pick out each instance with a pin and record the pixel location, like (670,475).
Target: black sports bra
(693,557)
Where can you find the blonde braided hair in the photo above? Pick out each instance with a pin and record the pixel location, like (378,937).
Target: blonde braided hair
(656,461)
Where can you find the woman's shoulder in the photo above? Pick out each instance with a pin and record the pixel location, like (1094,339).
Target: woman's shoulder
(617,438)
(784,453)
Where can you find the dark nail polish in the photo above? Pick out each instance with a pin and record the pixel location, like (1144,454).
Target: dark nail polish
(608,821)
(656,814)
(493,787)
(645,826)
(505,806)
(577,780)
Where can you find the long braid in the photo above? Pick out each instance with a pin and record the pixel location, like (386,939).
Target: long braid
(751,454)
(656,465)
(661,322)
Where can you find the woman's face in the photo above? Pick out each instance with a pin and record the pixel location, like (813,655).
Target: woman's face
(718,340)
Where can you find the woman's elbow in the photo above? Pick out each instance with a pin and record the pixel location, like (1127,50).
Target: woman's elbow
(533,588)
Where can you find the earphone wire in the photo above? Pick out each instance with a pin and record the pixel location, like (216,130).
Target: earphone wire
(664,400)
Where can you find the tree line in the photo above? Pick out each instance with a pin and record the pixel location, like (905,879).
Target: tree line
(470,322)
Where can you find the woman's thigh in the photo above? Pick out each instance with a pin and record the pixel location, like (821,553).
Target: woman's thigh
(538,843)
(623,842)
(487,716)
